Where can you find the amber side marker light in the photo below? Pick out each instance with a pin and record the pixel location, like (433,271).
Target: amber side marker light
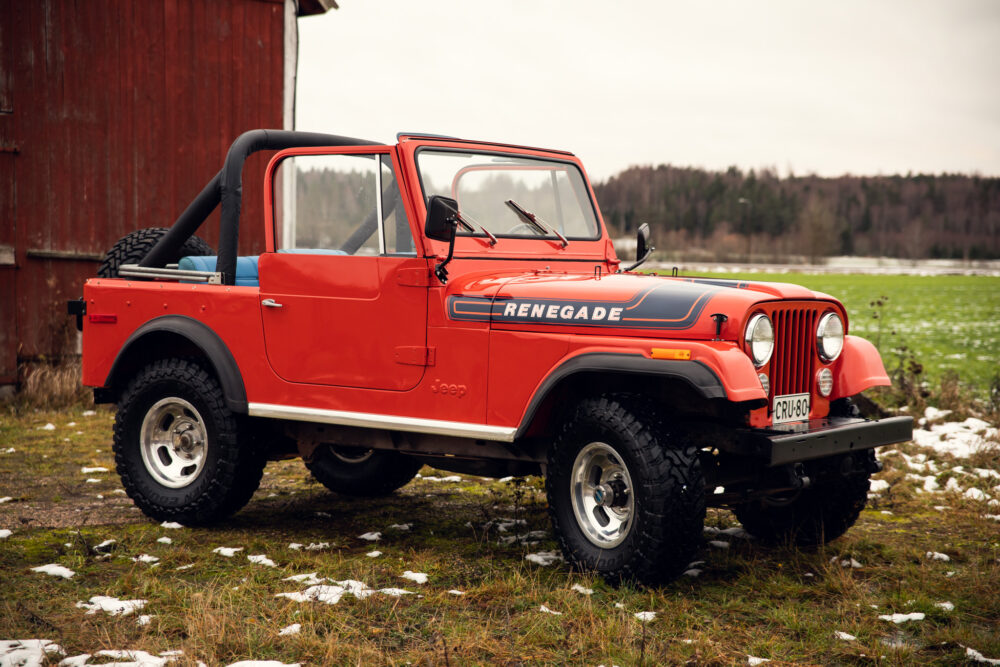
(666,353)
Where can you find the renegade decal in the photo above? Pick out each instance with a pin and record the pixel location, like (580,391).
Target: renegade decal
(659,307)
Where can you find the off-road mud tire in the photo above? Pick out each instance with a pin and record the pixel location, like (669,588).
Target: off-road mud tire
(134,246)
(667,485)
(379,474)
(232,466)
(816,516)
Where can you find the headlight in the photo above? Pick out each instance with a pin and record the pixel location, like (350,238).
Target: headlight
(759,338)
(830,336)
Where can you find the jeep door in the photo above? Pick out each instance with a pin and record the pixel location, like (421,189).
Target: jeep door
(343,300)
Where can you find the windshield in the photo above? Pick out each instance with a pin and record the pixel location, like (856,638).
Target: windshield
(482,183)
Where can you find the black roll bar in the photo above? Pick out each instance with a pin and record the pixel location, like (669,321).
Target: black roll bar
(227,187)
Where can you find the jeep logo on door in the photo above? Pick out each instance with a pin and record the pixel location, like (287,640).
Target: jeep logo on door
(660,307)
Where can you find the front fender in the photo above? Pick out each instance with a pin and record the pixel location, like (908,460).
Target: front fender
(860,368)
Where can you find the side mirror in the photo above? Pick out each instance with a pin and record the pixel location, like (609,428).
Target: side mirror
(442,219)
(642,248)
(442,225)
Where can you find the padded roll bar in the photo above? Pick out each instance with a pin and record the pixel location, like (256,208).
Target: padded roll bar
(227,187)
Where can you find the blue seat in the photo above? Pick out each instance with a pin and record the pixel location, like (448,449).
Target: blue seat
(246,267)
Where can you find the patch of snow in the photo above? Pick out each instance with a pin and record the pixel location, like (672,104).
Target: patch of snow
(581,589)
(5,533)
(48,427)
(331,594)
(845,636)
(145,558)
(9,450)
(986,473)
(261,559)
(645,616)
(718,544)
(89,413)
(972,493)
(932,413)
(878,486)
(88,471)
(544,558)
(960,439)
(934,555)
(995,517)
(976,656)
(293,629)
(185,567)
(395,592)
(619,605)
(946,606)
(450,478)
(752,660)
(294,546)
(164,540)
(5,499)
(262,663)
(317,546)
(847,562)
(455,591)
(903,618)
(111,605)
(55,570)
(371,537)
(27,652)
(504,480)
(401,526)
(91,480)
(693,572)
(228,552)
(546,610)
(418,577)
(144,619)
(737,532)
(171,525)
(308,579)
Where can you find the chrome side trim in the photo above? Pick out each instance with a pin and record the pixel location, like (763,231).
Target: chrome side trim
(390,422)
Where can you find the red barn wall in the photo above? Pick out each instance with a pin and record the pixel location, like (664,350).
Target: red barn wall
(113,115)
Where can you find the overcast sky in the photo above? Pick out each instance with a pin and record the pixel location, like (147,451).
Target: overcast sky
(832,88)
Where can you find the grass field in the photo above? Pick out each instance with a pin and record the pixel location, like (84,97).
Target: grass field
(949,322)
(749,600)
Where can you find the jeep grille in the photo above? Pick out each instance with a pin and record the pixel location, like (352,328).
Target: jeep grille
(794,349)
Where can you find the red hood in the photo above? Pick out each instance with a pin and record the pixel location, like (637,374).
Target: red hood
(619,304)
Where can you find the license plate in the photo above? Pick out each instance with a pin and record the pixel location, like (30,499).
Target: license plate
(790,408)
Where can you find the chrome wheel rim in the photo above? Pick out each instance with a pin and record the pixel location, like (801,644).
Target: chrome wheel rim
(174,442)
(601,492)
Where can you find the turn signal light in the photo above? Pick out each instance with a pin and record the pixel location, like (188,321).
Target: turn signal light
(667,353)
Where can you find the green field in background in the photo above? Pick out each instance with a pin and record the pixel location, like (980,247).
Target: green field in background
(950,322)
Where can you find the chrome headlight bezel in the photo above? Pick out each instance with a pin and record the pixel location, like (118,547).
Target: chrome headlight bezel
(827,340)
(759,331)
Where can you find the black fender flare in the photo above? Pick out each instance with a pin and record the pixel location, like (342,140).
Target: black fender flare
(697,375)
(201,336)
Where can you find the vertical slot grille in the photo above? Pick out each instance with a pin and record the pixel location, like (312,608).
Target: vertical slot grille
(791,364)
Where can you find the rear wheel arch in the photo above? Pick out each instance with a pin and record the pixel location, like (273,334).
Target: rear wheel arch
(178,336)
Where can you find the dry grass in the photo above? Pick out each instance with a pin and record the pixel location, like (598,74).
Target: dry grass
(777,603)
(51,386)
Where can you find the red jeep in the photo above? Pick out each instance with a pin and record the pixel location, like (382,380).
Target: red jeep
(459,304)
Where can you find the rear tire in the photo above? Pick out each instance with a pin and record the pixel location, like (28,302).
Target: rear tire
(181,453)
(365,473)
(816,516)
(133,248)
(627,501)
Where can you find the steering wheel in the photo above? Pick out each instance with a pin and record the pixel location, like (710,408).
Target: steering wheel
(515,229)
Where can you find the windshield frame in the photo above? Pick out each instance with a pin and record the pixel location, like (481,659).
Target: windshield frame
(568,164)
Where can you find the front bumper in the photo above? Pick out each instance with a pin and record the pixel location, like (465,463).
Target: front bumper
(820,438)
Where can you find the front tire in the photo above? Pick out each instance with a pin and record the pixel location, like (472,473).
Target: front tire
(627,501)
(365,473)
(181,453)
(815,516)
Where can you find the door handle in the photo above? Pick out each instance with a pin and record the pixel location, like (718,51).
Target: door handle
(271,303)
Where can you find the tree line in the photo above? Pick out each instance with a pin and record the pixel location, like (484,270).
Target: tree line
(759,215)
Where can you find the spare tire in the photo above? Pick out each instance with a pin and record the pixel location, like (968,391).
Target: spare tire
(133,247)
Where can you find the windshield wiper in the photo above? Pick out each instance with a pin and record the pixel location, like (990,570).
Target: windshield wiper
(535,221)
(468,221)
